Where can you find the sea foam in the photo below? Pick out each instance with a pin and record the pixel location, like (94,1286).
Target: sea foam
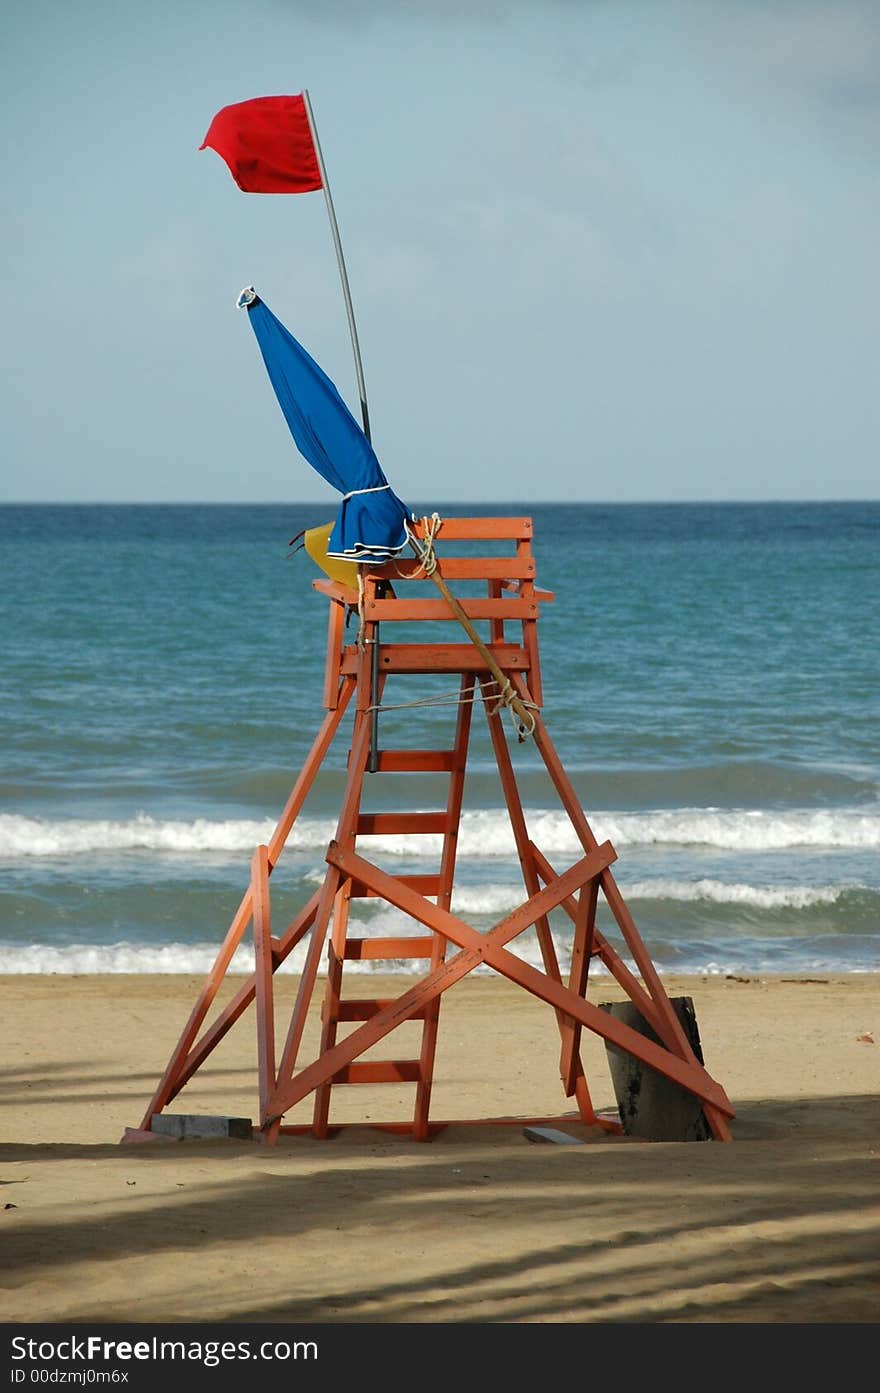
(492,899)
(483,834)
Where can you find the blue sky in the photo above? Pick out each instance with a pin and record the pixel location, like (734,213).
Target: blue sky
(609,251)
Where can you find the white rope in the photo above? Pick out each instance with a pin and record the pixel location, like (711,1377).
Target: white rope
(380,488)
(362,623)
(456,699)
(505,698)
(442,699)
(427,556)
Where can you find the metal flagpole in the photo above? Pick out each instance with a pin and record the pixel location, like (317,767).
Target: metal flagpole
(373,762)
(342,271)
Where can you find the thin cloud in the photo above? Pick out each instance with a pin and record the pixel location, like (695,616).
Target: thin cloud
(832,50)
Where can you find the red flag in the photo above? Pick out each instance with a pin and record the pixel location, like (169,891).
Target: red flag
(267,144)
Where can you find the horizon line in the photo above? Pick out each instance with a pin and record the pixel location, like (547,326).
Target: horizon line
(447,502)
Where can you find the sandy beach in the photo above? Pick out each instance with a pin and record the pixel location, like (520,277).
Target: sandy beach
(782,1224)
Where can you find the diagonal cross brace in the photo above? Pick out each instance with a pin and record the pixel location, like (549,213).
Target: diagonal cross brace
(489,948)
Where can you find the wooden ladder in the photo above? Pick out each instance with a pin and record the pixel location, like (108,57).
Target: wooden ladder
(431,948)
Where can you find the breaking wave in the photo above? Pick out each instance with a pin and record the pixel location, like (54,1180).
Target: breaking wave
(497,899)
(484,833)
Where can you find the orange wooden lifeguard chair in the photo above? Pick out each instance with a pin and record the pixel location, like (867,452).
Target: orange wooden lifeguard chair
(501,672)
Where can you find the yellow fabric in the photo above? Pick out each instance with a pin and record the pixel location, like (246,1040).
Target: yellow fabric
(315,541)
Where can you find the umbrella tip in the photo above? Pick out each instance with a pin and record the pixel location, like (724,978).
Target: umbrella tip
(246,298)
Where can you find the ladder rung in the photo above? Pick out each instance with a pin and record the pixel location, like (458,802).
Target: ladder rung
(358,949)
(411,611)
(415,761)
(445,657)
(364,1008)
(427,885)
(394,824)
(380,1071)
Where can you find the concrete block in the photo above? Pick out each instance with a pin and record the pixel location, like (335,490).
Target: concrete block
(551,1134)
(651,1106)
(183,1126)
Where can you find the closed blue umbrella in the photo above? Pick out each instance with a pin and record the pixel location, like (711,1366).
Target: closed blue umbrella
(371,522)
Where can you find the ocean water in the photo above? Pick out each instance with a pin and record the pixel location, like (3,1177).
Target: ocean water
(711,680)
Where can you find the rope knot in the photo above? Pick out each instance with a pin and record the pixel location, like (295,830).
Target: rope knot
(362,622)
(425,549)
